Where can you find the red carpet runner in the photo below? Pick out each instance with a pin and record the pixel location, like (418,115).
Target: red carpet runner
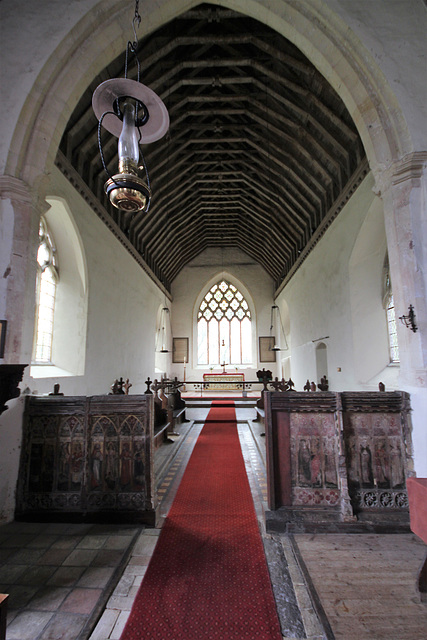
(208,577)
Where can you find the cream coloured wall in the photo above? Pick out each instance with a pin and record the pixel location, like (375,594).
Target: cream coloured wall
(391,31)
(394,34)
(371,52)
(337,293)
(122,306)
(324,298)
(122,302)
(193,283)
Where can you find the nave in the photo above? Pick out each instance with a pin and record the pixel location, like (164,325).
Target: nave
(78,581)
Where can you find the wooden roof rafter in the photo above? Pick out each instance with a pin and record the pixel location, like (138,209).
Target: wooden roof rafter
(260,147)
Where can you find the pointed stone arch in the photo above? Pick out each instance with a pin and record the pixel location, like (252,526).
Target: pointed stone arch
(310,24)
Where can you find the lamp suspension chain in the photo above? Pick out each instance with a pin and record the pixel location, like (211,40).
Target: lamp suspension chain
(123,107)
(136,22)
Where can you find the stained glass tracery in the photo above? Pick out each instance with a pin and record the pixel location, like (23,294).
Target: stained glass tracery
(224,326)
(46,294)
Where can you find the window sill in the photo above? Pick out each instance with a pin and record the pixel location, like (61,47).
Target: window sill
(49,371)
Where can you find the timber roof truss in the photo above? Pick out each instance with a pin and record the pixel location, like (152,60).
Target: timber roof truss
(259,151)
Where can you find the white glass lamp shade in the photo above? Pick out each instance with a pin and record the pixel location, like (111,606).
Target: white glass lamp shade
(128,140)
(106,94)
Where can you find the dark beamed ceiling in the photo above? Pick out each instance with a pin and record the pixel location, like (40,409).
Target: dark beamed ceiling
(259,151)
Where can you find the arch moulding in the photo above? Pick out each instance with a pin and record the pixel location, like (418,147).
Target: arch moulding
(310,24)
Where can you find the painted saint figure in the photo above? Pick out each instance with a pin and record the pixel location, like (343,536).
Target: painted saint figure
(366,465)
(64,466)
(381,465)
(138,466)
(304,459)
(125,466)
(96,464)
(315,465)
(330,466)
(76,465)
(396,464)
(111,465)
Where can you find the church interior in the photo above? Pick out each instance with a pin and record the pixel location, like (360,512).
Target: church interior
(213,209)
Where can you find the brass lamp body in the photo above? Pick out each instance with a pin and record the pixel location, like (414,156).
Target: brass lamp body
(126,190)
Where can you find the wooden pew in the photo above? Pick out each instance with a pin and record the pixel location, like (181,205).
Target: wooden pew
(88,458)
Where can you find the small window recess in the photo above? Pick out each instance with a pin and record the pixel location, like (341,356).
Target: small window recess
(47,280)
(388,304)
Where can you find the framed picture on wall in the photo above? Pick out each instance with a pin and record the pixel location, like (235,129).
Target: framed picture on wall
(3,325)
(266,344)
(180,350)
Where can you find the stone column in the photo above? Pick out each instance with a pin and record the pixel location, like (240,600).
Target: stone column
(403,188)
(19,221)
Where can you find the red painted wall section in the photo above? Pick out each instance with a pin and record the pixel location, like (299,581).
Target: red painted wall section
(417,494)
(282,458)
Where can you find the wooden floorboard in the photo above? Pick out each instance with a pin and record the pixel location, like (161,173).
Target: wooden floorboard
(366,584)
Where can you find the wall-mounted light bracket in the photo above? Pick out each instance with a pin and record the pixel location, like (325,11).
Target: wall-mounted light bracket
(276,325)
(409,320)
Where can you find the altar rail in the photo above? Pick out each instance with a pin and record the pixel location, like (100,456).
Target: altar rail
(88,458)
(337,458)
(199,386)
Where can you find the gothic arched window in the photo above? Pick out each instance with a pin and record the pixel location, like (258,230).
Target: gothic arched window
(388,303)
(47,279)
(224,327)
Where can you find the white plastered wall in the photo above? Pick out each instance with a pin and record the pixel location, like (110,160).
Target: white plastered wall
(193,283)
(70,319)
(122,302)
(121,308)
(373,53)
(335,297)
(337,292)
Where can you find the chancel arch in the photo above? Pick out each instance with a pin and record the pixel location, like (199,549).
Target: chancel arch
(357,78)
(66,66)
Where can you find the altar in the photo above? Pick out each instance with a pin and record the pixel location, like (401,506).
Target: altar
(223,381)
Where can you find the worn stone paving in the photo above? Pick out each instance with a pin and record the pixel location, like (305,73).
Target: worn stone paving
(78,582)
(58,576)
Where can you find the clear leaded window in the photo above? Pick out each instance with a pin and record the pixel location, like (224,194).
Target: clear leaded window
(388,302)
(45,298)
(392,332)
(224,327)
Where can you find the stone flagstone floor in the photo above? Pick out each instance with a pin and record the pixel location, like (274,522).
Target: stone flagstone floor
(78,581)
(58,576)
